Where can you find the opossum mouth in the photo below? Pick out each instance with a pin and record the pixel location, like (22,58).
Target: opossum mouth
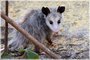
(55,33)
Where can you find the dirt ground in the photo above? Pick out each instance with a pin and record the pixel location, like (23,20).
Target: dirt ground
(73,41)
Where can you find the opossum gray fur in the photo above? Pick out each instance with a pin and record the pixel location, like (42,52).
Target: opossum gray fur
(37,23)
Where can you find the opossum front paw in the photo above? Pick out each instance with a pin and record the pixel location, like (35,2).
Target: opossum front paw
(50,42)
(37,50)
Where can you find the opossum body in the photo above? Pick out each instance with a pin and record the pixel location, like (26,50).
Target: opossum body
(40,24)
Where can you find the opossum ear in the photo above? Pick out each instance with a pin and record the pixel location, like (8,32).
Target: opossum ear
(61,9)
(45,10)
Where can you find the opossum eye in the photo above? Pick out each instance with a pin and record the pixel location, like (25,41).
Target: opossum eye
(58,22)
(50,22)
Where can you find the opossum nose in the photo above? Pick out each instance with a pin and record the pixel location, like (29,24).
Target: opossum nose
(55,33)
(56,30)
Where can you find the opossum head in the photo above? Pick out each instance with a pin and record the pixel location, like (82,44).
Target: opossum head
(53,18)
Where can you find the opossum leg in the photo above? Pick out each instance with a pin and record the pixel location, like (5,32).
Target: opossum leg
(48,38)
(37,50)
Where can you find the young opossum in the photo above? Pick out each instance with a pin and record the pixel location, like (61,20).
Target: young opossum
(40,24)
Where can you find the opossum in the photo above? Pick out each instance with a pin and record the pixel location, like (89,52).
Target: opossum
(40,24)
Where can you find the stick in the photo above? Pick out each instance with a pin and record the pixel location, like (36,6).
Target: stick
(6,29)
(27,35)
